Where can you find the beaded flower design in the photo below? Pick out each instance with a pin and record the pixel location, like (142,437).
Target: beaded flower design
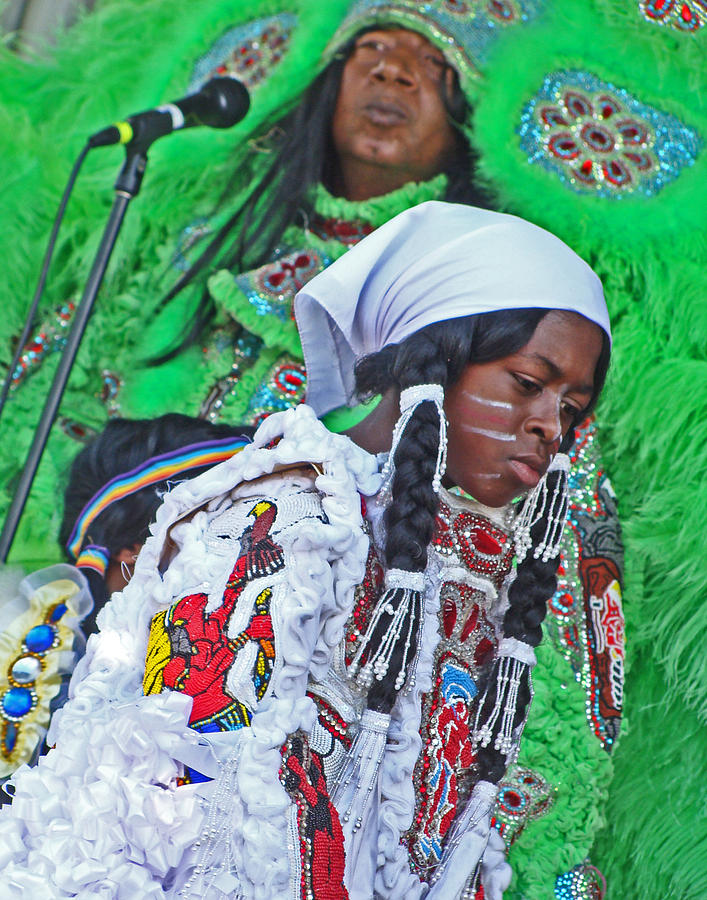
(681,15)
(600,139)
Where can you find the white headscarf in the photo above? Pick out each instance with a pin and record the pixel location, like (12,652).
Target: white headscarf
(434,262)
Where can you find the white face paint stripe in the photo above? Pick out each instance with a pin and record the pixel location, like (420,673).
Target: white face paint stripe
(496,435)
(499,404)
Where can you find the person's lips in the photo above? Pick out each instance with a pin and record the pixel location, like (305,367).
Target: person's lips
(529,469)
(385,112)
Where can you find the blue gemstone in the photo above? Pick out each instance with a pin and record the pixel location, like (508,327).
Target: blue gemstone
(58,612)
(17,702)
(10,738)
(39,638)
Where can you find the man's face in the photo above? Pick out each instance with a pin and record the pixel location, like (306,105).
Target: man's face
(390,113)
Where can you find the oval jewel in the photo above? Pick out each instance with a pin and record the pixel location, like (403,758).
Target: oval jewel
(26,669)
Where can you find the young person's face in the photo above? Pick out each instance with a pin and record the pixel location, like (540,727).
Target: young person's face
(389,111)
(507,417)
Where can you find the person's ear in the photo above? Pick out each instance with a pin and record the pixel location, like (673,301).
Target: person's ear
(128,554)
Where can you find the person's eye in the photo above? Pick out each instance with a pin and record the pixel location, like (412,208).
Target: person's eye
(572,409)
(527,384)
(371,44)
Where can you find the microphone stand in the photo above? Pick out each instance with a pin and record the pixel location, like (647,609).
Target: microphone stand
(127,186)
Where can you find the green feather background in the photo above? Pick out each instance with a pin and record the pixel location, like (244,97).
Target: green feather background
(649,251)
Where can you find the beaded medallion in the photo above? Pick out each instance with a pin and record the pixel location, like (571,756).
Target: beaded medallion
(248,52)
(271,289)
(522,796)
(283,387)
(583,882)
(597,138)
(686,16)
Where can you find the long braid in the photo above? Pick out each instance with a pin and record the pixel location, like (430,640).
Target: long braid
(528,595)
(410,516)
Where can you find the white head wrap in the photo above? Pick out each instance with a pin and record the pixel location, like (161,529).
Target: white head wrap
(435,262)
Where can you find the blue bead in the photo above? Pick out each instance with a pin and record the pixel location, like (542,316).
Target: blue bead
(17,702)
(10,737)
(58,612)
(39,638)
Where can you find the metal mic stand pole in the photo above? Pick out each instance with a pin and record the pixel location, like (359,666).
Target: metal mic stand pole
(126,187)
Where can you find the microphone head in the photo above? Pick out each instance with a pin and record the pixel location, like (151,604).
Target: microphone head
(221,103)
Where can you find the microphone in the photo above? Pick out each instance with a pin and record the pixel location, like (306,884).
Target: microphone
(219,104)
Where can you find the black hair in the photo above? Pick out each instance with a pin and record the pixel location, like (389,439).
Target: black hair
(119,448)
(298,155)
(438,354)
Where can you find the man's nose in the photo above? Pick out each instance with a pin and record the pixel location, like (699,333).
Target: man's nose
(398,66)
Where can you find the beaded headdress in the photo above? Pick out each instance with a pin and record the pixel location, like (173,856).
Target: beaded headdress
(463,31)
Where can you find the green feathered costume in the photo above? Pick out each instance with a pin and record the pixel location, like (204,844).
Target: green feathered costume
(588,122)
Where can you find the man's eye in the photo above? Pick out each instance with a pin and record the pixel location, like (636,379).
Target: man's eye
(376,46)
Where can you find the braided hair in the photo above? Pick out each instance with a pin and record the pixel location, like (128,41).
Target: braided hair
(118,449)
(438,354)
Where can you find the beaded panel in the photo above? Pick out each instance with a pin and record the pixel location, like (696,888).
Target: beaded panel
(31,655)
(321,839)
(474,542)
(248,52)
(686,16)
(599,139)
(271,288)
(585,617)
(245,348)
(192,648)
(443,776)
(522,796)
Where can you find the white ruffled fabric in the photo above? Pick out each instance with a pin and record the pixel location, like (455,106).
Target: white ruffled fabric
(101,815)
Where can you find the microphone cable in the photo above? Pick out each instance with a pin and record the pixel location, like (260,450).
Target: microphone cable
(31,314)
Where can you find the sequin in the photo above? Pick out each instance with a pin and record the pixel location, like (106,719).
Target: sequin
(248,52)
(583,882)
(50,337)
(598,138)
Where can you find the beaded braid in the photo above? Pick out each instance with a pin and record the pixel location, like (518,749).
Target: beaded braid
(410,516)
(534,584)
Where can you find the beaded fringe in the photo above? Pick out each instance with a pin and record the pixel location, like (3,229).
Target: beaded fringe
(540,504)
(514,662)
(394,625)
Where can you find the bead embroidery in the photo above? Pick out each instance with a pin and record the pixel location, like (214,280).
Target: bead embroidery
(283,388)
(248,52)
(681,15)
(190,649)
(32,668)
(50,337)
(598,138)
(271,288)
(522,796)
(583,882)
(320,835)
(585,619)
